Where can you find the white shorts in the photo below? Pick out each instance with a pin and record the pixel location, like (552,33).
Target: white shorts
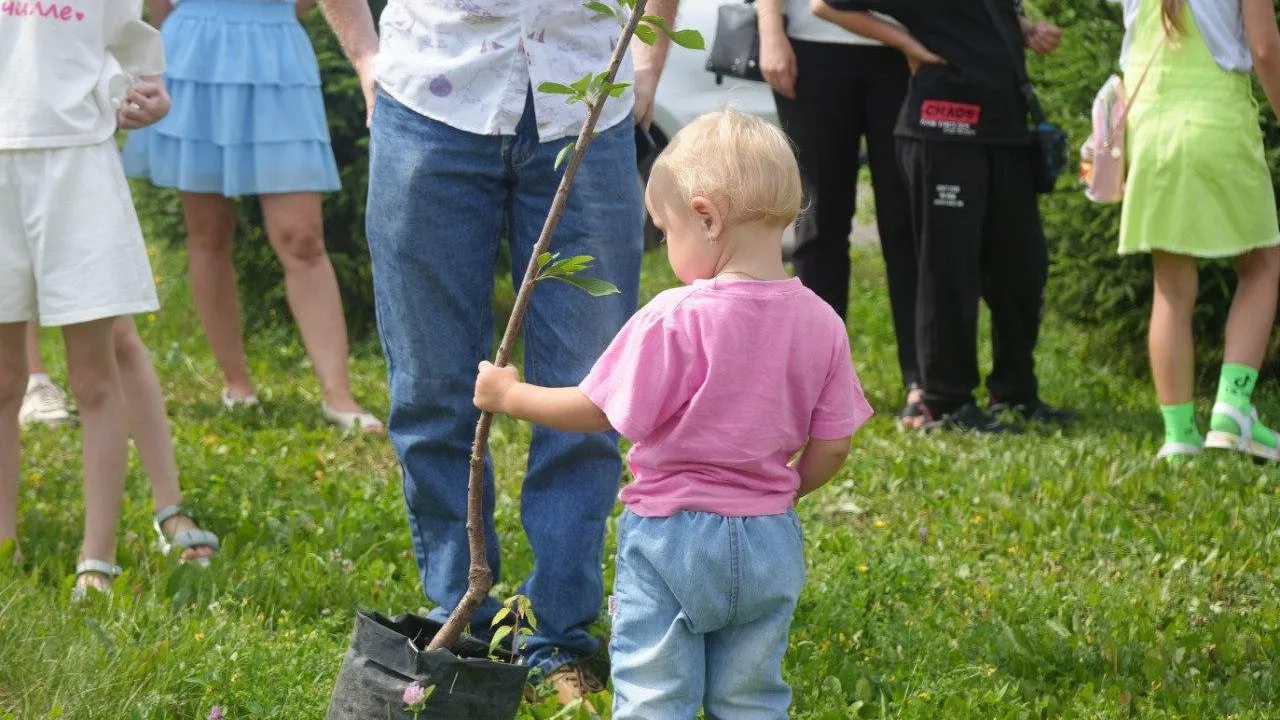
(71,249)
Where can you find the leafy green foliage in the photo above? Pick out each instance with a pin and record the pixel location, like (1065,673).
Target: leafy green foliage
(568,270)
(523,623)
(1089,282)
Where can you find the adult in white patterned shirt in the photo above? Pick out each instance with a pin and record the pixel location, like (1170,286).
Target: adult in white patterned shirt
(462,154)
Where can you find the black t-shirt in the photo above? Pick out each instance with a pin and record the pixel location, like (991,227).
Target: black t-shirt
(974,96)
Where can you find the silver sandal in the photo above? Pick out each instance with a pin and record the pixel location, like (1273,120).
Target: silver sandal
(101,567)
(185,540)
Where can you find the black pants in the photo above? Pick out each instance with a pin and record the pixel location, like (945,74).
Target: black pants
(843,93)
(977,224)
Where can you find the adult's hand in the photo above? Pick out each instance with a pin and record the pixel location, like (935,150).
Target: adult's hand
(778,63)
(1043,38)
(918,56)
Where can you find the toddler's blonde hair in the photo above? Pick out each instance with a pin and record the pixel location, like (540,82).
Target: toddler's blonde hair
(743,164)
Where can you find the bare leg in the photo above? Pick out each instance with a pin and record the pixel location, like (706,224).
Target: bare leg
(35,365)
(1177,280)
(211,226)
(295,226)
(95,381)
(149,427)
(1253,311)
(13,384)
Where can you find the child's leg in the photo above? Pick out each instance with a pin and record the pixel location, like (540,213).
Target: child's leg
(95,381)
(1249,328)
(13,384)
(656,649)
(1177,279)
(149,427)
(744,659)
(35,365)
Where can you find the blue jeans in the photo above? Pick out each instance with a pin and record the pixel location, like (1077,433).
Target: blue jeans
(704,606)
(440,202)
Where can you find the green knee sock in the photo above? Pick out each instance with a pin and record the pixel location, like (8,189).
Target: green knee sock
(1180,424)
(1235,388)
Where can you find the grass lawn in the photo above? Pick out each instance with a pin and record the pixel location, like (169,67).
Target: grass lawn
(1052,575)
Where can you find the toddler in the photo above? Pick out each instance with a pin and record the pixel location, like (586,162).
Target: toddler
(739,396)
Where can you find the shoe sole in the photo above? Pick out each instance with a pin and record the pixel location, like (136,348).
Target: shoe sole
(1219,440)
(52,420)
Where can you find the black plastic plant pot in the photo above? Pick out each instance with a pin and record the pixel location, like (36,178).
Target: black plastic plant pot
(385,658)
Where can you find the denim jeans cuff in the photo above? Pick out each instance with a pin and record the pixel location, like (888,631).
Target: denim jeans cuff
(544,661)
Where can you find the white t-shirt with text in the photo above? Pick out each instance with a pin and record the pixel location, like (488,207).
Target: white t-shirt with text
(64,66)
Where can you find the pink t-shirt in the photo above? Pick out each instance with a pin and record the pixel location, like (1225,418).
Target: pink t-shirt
(717,385)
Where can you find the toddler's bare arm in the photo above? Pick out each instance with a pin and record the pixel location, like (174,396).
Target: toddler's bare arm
(819,462)
(499,390)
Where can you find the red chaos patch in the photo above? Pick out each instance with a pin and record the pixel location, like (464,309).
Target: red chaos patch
(942,111)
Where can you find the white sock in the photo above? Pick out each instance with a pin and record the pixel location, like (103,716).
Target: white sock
(38,378)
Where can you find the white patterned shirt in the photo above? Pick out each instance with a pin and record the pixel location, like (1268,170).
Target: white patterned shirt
(471,63)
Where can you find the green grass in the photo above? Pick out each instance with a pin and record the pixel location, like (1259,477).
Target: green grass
(1053,575)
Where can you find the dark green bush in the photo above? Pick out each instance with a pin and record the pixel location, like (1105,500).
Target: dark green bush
(1089,283)
(261,278)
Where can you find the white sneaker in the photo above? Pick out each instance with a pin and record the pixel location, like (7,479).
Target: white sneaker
(44,403)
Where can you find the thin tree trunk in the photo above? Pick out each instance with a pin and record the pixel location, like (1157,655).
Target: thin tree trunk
(480,578)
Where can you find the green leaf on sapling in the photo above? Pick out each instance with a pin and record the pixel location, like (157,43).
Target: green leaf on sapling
(647,35)
(601,8)
(563,155)
(554,88)
(591,286)
(688,39)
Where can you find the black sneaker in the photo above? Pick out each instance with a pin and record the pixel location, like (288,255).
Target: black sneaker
(969,418)
(1037,412)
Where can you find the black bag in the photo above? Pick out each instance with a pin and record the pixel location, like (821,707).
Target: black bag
(735,50)
(1050,156)
(384,658)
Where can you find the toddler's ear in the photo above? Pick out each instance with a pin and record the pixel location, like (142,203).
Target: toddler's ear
(709,215)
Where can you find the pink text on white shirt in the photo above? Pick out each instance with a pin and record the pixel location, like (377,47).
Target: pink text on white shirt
(54,11)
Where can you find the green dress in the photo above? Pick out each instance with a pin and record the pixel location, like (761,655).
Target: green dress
(1197,181)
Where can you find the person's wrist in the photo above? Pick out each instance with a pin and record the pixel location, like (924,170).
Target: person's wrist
(363,62)
(771,27)
(508,399)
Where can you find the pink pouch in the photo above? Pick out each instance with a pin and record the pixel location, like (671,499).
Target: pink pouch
(1102,158)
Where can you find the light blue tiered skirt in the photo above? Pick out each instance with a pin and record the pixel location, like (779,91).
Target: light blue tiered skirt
(248,113)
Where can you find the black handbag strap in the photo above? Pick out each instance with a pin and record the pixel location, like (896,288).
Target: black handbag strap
(1018,56)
